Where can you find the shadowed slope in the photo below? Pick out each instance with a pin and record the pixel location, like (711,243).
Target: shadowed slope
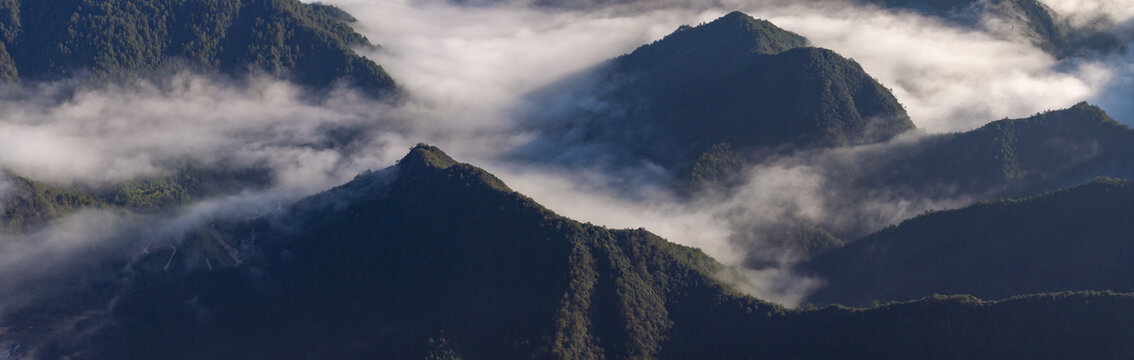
(436,259)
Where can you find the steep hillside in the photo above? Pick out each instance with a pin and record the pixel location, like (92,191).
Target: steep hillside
(116,39)
(1080,238)
(735,83)
(436,259)
(1017,157)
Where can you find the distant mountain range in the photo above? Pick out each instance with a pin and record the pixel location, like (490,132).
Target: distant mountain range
(437,259)
(114,40)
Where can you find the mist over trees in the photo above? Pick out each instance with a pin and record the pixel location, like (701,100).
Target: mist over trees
(442,258)
(839,229)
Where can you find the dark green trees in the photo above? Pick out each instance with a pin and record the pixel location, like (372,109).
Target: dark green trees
(735,83)
(1081,238)
(434,257)
(115,39)
(1016,157)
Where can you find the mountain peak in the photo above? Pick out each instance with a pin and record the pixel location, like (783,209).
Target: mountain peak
(756,35)
(425,161)
(739,21)
(739,18)
(737,82)
(1092,112)
(738,32)
(427,156)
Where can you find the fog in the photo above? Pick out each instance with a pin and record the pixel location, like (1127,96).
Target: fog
(1093,12)
(468,72)
(108,134)
(482,61)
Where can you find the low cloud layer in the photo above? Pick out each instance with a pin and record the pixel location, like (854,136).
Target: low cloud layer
(949,78)
(1093,12)
(101,135)
(467,71)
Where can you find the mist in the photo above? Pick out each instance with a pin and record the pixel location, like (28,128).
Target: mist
(483,60)
(107,134)
(468,71)
(1093,12)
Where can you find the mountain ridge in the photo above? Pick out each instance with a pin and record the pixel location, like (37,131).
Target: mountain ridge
(1072,239)
(396,273)
(123,39)
(736,83)
(1018,157)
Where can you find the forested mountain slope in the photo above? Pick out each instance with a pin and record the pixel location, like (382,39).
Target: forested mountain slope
(1081,238)
(1015,157)
(116,39)
(436,259)
(735,84)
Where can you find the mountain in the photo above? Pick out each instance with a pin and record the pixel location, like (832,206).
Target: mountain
(1015,157)
(736,83)
(436,259)
(1074,239)
(1009,158)
(1032,19)
(27,205)
(117,39)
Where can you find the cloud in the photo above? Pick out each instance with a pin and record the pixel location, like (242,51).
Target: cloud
(96,247)
(949,78)
(1090,12)
(468,70)
(1117,97)
(6,188)
(73,246)
(101,135)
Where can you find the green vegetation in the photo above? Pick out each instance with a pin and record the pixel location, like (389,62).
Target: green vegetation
(741,82)
(119,39)
(799,240)
(29,204)
(187,184)
(719,164)
(1013,158)
(439,261)
(1073,239)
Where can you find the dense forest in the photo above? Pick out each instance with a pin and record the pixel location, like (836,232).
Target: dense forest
(730,87)
(121,39)
(1015,157)
(1072,239)
(444,261)
(433,258)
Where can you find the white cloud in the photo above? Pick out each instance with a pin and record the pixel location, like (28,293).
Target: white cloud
(467,69)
